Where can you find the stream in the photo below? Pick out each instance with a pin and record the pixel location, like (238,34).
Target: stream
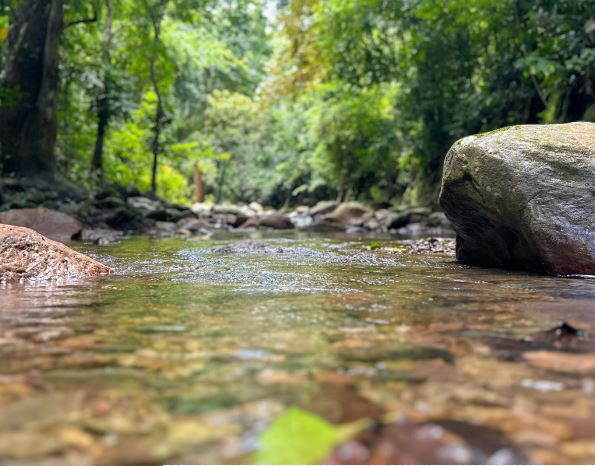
(196,346)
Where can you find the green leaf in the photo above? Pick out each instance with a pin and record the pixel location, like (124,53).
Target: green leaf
(297,437)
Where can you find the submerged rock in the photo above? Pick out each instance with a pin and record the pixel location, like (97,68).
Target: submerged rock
(51,223)
(27,255)
(249,247)
(524,197)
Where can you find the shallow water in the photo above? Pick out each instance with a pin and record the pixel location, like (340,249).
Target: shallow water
(197,346)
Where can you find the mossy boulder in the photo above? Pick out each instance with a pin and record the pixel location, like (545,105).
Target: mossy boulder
(524,197)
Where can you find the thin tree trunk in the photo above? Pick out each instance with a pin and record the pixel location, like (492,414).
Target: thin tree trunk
(97,161)
(221,181)
(198,184)
(103,104)
(156,19)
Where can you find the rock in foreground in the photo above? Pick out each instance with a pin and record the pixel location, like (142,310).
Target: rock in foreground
(524,197)
(27,255)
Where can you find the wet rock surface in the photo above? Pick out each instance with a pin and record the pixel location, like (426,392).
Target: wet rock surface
(522,197)
(25,255)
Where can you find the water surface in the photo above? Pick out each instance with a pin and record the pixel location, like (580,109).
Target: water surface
(198,345)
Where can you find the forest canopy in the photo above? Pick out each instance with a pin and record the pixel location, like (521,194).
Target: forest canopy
(283,102)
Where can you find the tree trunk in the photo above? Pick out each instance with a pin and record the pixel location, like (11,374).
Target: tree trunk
(103,102)
(28,122)
(156,15)
(102,122)
(221,168)
(198,184)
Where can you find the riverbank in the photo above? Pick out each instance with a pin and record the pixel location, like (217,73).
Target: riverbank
(63,212)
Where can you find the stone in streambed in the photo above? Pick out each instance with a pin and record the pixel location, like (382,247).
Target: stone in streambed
(277,221)
(323,208)
(350,214)
(523,197)
(27,255)
(100,236)
(404,218)
(51,223)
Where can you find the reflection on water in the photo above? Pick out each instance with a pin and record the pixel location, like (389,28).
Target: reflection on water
(198,345)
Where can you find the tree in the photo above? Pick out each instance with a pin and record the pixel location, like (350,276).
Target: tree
(156,12)
(29,84)
(103,104)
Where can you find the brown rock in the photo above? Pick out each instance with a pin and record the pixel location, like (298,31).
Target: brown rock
(323,208)
(522,197)
(350,214)
(276,220)
(194,225)
(250,223)
(27,255)
(51,223)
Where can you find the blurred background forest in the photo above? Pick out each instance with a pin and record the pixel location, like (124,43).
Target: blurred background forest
(283,102)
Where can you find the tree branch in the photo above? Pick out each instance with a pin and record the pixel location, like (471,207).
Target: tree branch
(93,19)
(81,21)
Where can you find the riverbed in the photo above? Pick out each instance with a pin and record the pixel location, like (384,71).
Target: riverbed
(193,350)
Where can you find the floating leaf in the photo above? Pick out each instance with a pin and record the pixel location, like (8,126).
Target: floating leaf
(374,245)
(297,437)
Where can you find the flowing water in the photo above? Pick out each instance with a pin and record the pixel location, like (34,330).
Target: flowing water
(196,346)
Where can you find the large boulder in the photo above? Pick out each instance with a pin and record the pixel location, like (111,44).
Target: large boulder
(524,197)
(25,255)
(51,223)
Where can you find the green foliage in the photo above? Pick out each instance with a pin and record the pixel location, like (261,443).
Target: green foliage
(357,139)
(205,46)
(325,98)
(459,67)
